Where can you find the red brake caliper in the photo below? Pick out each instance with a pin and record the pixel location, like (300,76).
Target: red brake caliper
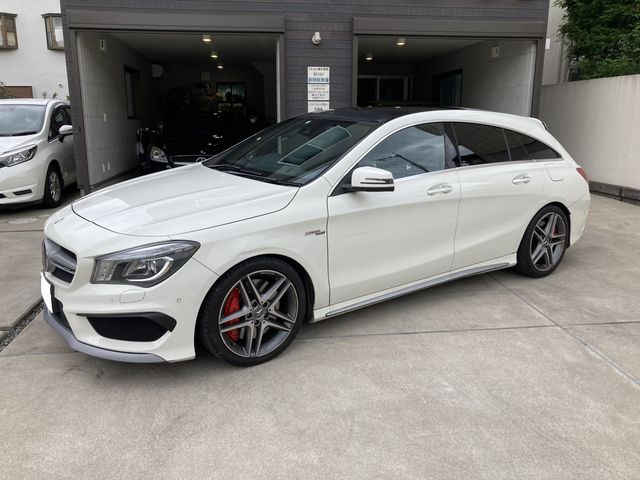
(232,305)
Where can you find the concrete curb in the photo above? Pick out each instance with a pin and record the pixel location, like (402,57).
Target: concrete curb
(625,194)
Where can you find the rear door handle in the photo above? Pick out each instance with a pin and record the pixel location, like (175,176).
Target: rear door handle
(524,178)
(443,188)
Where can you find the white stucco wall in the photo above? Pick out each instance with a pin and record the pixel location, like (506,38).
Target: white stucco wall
(501,84)
(109,134)
(598,122)
(33,63)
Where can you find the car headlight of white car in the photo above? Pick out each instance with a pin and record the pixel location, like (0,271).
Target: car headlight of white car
(157,155)
(144,266)
(21,155)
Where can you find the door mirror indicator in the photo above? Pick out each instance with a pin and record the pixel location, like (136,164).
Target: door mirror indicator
(371,179)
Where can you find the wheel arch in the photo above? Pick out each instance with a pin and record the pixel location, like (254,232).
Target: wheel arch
(297,266)
(54,163)
(566,211)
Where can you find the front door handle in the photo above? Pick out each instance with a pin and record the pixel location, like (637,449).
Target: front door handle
(524,178)
(443,188)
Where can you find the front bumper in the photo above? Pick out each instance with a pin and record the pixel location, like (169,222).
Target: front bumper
(58,324)
(96,314)
(21,183)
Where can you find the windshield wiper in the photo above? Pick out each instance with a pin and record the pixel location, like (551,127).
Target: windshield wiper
(250,173)
(17,134)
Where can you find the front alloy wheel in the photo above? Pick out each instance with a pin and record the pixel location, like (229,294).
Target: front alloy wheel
(254,312)
(52,187)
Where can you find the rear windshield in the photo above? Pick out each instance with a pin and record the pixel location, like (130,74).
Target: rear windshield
(16,120)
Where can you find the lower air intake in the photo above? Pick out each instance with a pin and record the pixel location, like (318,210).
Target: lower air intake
(132,328)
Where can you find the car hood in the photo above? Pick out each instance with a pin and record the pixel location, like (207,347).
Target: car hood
(11,143)
(181,200)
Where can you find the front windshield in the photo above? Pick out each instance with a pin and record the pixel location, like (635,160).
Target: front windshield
(16,120)
(293,152)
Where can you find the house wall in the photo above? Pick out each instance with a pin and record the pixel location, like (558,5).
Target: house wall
(555,62)
(598,121)
(334,20)
(502,84)
(110,135)
(33,63)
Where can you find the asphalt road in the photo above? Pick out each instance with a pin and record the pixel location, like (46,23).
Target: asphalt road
(493,377)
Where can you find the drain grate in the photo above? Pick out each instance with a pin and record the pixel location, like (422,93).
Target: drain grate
(21,325)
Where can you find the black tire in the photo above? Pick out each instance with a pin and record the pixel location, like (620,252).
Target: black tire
(551,246)
(232,348)
(51,199)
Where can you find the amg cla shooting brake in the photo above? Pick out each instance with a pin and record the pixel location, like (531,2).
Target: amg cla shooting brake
(311,218)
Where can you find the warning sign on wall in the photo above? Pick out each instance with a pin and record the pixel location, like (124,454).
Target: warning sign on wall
(317,91)
(317,106)
(318,74)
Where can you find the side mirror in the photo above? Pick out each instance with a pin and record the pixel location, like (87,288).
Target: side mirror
(371,179)
(65,131)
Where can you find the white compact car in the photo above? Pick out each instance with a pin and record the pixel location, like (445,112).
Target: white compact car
(314,217)
(36,151)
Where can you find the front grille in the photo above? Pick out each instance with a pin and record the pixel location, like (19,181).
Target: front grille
(127,328)
(58,261)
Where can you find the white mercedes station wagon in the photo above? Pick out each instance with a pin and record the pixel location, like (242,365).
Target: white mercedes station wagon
(311,218)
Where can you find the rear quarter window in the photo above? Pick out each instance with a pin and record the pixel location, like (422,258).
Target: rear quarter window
(524,147)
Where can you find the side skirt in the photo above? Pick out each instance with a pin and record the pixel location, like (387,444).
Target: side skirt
(365,301)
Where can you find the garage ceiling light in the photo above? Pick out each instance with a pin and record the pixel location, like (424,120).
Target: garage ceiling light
(220,66)
(401,42)
(207,38)
(214,54)
(369,57)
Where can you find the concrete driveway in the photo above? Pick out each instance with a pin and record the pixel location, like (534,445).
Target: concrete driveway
(492,377)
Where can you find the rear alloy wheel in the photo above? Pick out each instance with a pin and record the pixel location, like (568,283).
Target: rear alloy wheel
(544,243)
(52,187)
(254,312)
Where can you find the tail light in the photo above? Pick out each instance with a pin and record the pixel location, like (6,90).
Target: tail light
(583,174)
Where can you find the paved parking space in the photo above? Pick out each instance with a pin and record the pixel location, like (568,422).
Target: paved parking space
(491,377)
(20,240)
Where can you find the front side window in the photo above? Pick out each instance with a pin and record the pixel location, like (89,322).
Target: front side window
(480,144)
(17,120)
(412,151)
(523,147)
(67,112)
(58,119)
(293,152)
(8,35)
(53,26)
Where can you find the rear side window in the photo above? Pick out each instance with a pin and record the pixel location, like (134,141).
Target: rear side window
(523,147)
(479,144)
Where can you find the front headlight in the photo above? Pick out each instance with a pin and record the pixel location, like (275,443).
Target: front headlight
(10,159)
(157,155)
(144,266)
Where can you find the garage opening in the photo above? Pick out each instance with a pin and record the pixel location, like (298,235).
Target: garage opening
(493,75)
(159,100)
